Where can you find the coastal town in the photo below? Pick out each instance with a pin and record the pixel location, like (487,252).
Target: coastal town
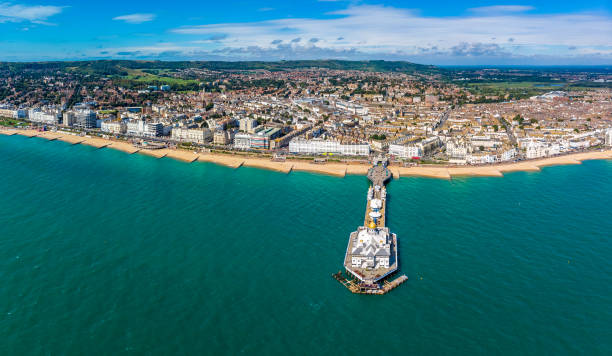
(325,115)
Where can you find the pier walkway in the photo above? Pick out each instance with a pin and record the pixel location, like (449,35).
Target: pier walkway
(371,254)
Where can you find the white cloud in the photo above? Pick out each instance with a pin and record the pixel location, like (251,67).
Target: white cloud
(18,13)
(381,29)
(135,18)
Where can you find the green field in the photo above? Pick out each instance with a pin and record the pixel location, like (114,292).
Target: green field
(7,121)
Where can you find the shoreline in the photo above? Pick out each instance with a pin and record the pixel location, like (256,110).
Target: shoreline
(333,169)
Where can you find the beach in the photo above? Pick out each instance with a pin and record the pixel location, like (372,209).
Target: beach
(330,168)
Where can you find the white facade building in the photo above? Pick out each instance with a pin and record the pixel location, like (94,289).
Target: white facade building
(536,149)
(314,147)
(479,158)
(508,155)
(457,152)
(406,151)
(192,135)
(113,127)
(242,141)
(371,248)
(50,117)
(135,127)
(352,108)
(153,129)
(608,137)
(144,129)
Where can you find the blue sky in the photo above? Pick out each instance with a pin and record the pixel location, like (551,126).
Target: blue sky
(431,32)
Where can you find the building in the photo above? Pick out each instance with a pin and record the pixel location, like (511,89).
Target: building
(608,138)
(247,125)
(242,141)
(259,140)
(68,118)
(222,137)
(406,151)
(113,127)
(13,113)
(84,119)
(153,129)
(351,107)
(537,149)
(200,136)
(457,152)
(47,117)
(315,147)
(371,248)
(508,154)
(481,158)
(135,127)
(284,140)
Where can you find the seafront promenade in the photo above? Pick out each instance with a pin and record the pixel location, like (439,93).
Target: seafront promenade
(337,169)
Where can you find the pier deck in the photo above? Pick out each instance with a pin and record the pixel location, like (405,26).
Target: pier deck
(366,273)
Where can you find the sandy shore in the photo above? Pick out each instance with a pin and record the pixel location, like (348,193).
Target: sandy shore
(224,160)
(182,155)
(155,153)
(123,147)
(334,169)
(262,163)
(71,139)
(96,142)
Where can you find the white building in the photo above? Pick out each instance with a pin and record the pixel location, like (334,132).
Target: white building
(508,154)
(113,127)
(314,147)
(200,136)
(242,141)
(406,151)
(481,158)
(352,108)
(371,248)
(50,117)
(608,138)
(537,149)
(135,127)
(153,129)
(457,152)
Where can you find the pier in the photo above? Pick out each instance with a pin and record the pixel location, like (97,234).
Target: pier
(371,255)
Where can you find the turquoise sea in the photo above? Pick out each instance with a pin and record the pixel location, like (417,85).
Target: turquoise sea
(107,253)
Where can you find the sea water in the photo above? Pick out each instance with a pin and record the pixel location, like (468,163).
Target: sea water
(102,252)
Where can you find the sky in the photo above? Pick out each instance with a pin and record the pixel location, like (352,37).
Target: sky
(429,32)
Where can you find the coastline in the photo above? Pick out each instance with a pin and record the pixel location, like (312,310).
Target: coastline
(334,169)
